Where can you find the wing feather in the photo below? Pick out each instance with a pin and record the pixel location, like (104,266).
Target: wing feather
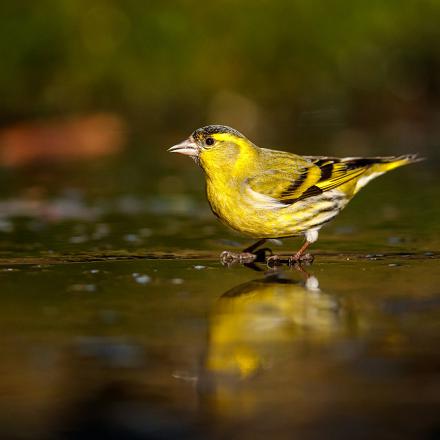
(297,178)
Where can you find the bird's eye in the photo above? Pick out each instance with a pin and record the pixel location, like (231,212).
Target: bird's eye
(209,141)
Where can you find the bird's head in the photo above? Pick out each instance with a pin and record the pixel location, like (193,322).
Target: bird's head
(214,146)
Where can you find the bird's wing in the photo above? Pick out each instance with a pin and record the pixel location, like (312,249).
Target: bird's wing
(305,177)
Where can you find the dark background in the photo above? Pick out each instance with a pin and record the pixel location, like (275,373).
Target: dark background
(331,77)
(94,92)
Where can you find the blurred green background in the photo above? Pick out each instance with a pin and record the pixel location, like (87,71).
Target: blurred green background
(93,92)
(103,334)
(342,75)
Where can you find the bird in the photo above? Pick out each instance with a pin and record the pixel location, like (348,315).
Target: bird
(270,194)
(249,322)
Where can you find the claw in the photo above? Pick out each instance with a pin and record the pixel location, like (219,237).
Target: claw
(301,259)
(227,258)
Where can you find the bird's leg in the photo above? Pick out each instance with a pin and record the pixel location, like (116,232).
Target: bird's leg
(256,245)
(246,256)
(260,254)
(300,257)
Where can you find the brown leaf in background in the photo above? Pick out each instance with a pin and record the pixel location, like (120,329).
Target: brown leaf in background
(62,140)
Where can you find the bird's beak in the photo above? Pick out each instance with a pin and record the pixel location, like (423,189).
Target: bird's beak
(187,147)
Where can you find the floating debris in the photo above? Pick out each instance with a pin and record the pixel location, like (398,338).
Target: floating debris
(141,279)
(374,256)
(92,271)
(199,267)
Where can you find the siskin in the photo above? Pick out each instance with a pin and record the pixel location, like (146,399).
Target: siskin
(266,193)
(250,321)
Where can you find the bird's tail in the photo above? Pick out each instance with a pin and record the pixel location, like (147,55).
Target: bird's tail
(380,165)
(385,164)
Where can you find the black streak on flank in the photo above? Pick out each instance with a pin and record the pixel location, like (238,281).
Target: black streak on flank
(293,187)
(312,191)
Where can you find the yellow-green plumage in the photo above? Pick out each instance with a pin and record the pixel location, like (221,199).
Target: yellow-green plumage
(270,194)
(249,320)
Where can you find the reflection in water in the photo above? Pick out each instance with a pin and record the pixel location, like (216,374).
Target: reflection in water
(278,356)
(263,331)
(250,322)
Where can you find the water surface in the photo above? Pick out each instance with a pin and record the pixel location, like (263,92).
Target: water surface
(118,321)
(149,348)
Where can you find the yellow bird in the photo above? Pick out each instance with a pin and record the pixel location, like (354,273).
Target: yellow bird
(252,323)
(267,193)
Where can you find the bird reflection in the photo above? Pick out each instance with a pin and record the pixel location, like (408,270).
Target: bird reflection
(252,324)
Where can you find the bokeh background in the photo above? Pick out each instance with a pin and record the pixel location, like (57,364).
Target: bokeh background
(93,92)
(348,77)
(103,334)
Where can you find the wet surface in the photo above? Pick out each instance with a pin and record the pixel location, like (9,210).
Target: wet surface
(117,319)
(149,349)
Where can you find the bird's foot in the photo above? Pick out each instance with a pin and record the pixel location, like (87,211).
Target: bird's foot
(227,258)
(296,259)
